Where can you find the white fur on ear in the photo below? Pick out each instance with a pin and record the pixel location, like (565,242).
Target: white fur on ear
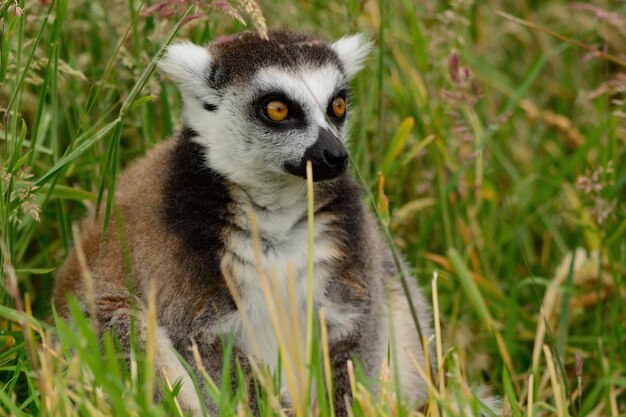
(186,63)
(352,51)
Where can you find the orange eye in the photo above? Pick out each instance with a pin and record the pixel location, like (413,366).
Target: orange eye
(339,107)
(277,110)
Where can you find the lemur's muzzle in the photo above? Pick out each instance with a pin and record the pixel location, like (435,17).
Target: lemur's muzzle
(327,155)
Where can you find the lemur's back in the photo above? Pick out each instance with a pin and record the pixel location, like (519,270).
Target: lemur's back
(137,204)
(142,248)
(108,262)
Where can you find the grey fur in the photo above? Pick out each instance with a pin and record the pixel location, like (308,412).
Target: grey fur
(184,215)
(238,57)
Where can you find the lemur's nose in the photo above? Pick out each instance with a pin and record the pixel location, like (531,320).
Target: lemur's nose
(328,157)
(336,160)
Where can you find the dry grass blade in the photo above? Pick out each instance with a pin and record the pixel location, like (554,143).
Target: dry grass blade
(200,365)
(310,258)
(433,392)
(253,10)
(168,383)
(560,123)
(328,378)
(531,392)
(557,387)
(150,342)
(242,311)
(550,300)
(438,343)
(556,35)
(294,386)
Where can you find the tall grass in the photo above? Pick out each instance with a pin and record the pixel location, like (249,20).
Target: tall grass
(489,136)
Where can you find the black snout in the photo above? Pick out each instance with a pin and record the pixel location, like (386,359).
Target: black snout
(328,157)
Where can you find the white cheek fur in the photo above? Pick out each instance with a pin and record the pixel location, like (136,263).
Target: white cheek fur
(239,148)
(242,149)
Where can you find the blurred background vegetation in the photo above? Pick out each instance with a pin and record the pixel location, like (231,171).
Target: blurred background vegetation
(490,135)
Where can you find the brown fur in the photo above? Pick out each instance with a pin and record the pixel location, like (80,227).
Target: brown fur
(178,226)
(187,304)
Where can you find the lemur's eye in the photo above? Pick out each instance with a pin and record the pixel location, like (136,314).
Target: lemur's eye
(339,106)
(276,110)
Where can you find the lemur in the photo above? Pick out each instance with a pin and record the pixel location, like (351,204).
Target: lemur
(255,110)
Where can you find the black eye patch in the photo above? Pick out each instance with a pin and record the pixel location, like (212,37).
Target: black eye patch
(344,94)
(296,118)
(209,106)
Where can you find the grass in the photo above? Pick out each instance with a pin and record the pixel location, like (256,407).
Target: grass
(489,134)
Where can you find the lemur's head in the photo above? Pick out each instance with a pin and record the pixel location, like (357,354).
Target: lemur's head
(263,107)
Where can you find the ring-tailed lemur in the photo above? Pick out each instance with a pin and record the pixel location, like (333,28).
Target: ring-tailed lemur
(255,111)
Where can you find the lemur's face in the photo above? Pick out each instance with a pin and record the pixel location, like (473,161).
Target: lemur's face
(263,108)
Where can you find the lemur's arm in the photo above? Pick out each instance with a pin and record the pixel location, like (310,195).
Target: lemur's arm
(117,314)
(340,352)
(359,347)
(212,354)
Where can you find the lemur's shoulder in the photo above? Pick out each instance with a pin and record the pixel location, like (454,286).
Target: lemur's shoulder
(137,193)
(141,183)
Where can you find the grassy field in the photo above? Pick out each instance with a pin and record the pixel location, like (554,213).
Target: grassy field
(490,134)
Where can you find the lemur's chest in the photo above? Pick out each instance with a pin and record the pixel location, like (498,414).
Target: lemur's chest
(270,275)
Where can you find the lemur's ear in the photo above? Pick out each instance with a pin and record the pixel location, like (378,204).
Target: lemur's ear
(352,51)
(186,63)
